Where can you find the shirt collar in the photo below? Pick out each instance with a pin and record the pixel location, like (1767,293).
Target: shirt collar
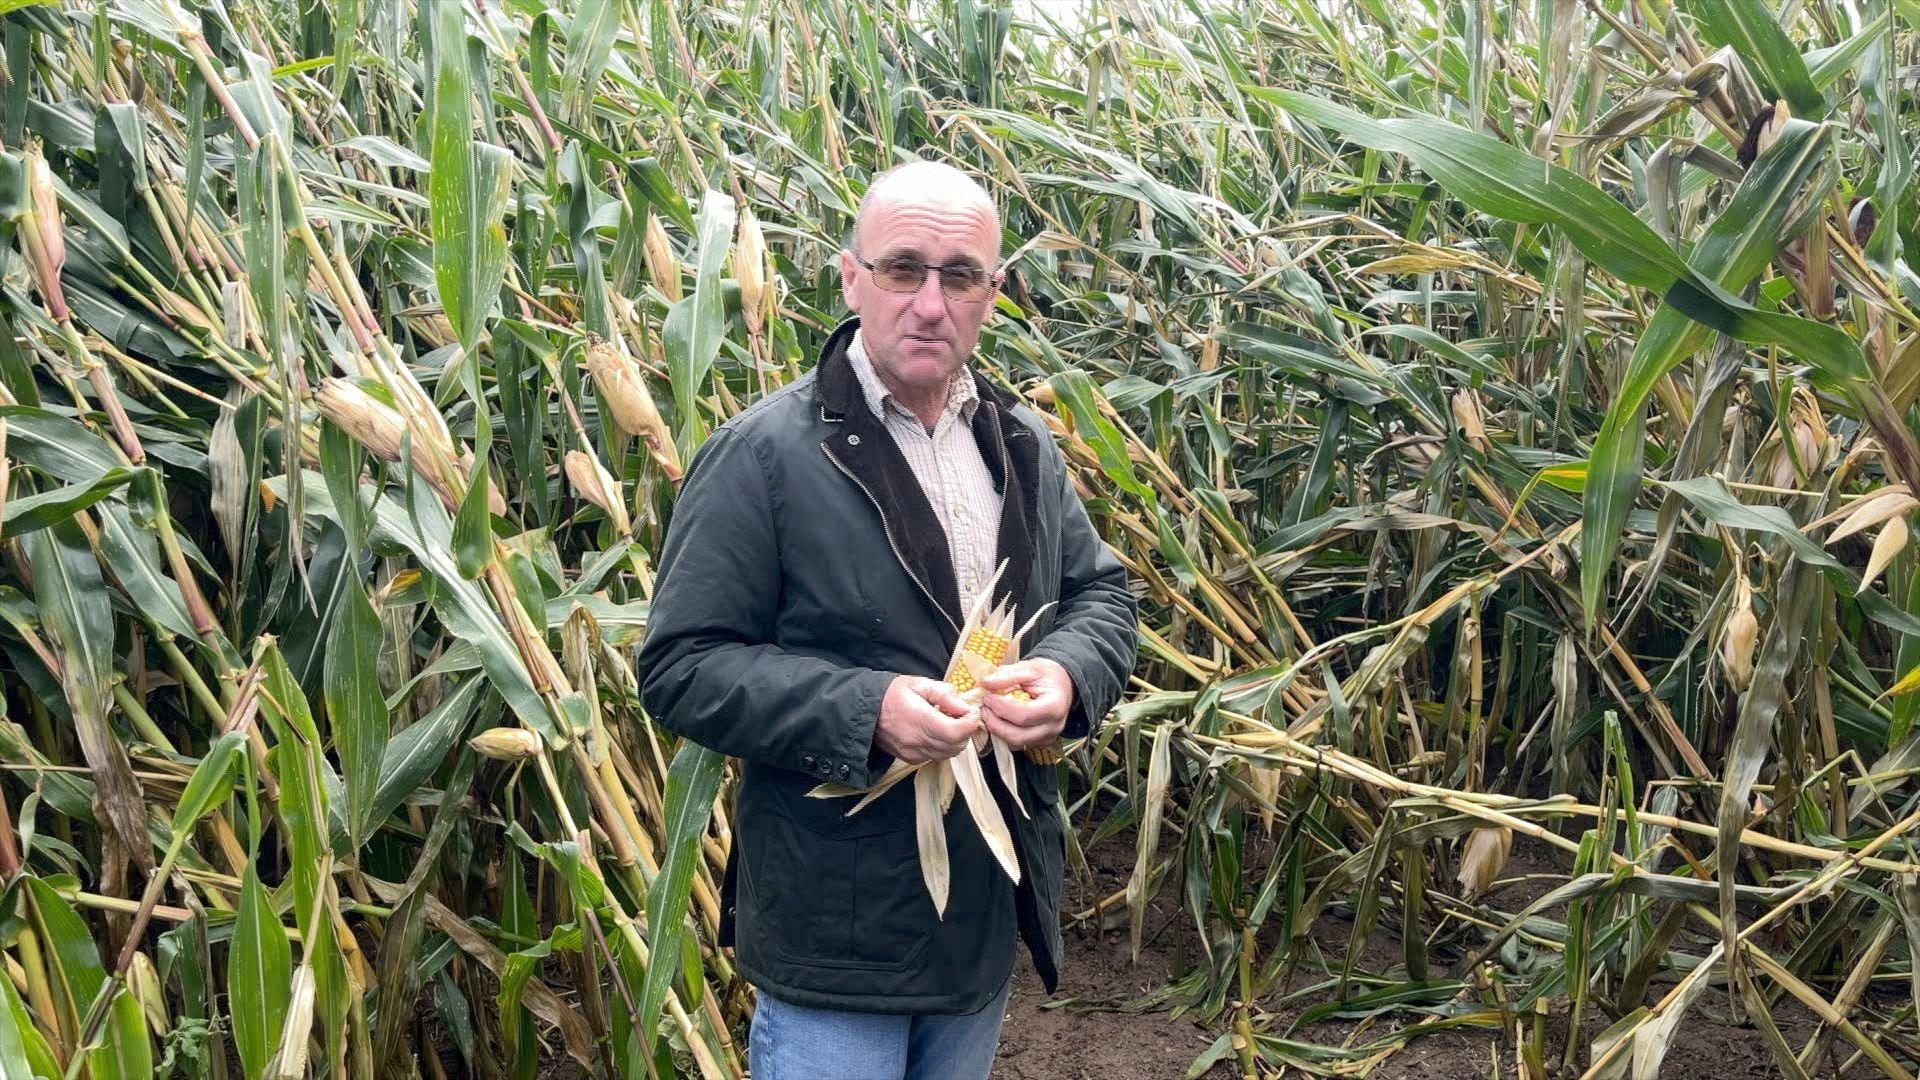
(962,396)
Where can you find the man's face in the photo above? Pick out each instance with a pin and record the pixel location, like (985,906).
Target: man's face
(918,340)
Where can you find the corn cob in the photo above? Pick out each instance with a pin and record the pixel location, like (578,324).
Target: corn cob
(988,641)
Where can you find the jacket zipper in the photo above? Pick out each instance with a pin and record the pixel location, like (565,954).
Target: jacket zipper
(888,529)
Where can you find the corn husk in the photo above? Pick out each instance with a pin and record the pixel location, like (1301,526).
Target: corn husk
(1880,506)
(1482,858)
(750,271)
(1891,541)
(1466,413)
(507,743)
(45,200)
(624,393)
(662,267)
(592,482)
(371,423)
(929,814)
(1738,639)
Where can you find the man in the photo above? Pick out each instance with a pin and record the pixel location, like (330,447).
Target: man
(820,561)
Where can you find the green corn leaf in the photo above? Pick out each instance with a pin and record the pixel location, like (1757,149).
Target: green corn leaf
(134,553)
(78,614)
(473,525)
(1076,390)
(124,1050)
(1753,32)
(417,751)
(590,39)
(24,1053)
(696,325)
(423,528)
(31,512)
(56,445)
(356,708)
(259,975)
(468,190)
(1509,183)
(692,782)
(212,779)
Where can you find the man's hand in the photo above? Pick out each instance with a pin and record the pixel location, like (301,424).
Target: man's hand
(1021,724)
(924,720)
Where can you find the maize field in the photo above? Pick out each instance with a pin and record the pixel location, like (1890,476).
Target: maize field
(1506,411)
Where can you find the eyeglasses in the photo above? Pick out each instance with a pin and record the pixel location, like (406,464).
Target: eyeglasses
(959,281)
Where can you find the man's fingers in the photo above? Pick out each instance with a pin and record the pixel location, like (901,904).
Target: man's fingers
(1019,737)
(1013,735)
(944,734)
(943,697)
(1017,713)
(1006,678)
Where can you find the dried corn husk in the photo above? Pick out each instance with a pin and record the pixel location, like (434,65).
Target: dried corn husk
(371,423)
(1891,541)
(987,641)
(1739,637)
(1872,510)
(662,267)
(750,271)
(507,743)
(593,483)
(623,390)
(1483,857)
(929,813)
(1466,413)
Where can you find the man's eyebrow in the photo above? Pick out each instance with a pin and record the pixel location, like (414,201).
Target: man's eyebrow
(920,257)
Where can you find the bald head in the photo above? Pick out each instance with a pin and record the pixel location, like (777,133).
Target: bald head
(934,185)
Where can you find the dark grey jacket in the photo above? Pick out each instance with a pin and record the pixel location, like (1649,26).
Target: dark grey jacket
(804,570)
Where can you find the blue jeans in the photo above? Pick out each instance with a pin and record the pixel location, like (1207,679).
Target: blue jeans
(795,1042)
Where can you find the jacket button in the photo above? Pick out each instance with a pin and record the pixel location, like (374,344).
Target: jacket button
(806,762)
(844,771)
(853,440)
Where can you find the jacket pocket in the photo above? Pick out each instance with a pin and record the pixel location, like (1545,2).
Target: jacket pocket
(850,894)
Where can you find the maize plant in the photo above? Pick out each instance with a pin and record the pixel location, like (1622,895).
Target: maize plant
(1506,411)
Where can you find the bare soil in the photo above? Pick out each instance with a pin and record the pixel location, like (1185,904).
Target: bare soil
(1078,1033)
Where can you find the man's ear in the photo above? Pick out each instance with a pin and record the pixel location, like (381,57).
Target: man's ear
(850,282)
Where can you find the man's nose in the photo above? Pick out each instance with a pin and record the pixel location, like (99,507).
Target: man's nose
(929,302)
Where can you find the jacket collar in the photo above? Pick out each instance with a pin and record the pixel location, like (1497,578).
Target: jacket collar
(867,454)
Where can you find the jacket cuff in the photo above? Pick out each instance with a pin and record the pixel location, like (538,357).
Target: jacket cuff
(857,761)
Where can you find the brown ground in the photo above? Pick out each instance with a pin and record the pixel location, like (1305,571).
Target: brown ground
(1067,1036)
